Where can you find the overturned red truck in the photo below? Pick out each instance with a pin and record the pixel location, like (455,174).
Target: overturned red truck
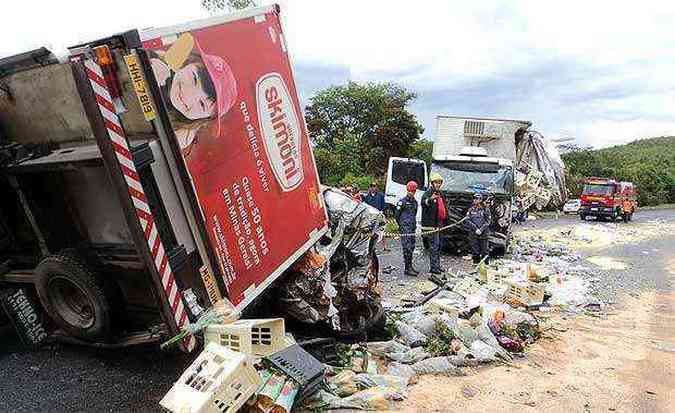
(148,175)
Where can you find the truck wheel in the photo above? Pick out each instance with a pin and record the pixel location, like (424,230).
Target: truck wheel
(74,295)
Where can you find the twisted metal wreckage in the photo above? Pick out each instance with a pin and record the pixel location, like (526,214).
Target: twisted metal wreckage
(334,282)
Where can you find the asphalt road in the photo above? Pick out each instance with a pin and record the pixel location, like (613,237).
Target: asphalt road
(73,379)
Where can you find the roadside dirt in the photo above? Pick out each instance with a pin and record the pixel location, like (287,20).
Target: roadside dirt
(621,363)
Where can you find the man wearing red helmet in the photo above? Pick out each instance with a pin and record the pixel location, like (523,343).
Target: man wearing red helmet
(406,217)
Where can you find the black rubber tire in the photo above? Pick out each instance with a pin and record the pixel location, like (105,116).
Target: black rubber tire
(68,280)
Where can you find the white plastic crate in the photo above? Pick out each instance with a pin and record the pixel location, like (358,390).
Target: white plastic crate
(493,276)
(497,290)
(525,293)
(444,304)
(533,178)
(258,338)
(466,287)
(218,381)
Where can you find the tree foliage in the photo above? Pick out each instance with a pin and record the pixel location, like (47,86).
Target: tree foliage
(422,149)
(356,127)
(228,6)
(649,163)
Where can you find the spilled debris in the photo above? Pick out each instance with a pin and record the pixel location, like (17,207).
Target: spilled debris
(335,282)
(455,323)
(539,175)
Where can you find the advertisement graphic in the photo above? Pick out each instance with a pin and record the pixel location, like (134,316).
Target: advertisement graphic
(232,103)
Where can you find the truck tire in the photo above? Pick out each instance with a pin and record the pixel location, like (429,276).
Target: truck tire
(74,295)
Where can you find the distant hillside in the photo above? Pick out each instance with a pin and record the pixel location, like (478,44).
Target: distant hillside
(649,163)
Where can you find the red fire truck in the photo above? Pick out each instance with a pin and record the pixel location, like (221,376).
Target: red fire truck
(608,198)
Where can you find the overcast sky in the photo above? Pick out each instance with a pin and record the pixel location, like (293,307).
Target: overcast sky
(602,72)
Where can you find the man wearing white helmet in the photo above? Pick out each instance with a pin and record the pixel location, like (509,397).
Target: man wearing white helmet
(434,214)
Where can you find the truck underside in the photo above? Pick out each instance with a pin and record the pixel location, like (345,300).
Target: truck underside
(64,239)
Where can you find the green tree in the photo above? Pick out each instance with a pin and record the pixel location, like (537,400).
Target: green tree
(227,6)
(422,149)
(367,123)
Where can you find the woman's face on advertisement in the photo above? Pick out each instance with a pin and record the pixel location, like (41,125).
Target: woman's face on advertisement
(188,96)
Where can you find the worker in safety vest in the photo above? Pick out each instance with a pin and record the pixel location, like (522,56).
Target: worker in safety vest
(434,214)
(406,217)
(477,224)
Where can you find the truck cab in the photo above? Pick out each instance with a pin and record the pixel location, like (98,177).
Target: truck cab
(469,172)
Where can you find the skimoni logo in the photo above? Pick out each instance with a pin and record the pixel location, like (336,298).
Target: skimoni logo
(281,130)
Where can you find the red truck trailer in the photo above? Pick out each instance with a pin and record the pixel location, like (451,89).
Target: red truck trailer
(149,175)
(608,198)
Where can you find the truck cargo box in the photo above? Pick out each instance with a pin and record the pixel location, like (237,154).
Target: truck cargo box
(228,87)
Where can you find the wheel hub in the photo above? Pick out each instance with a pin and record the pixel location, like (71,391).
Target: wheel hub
(71,302)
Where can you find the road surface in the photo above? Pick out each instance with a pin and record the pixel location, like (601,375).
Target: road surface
(621,363)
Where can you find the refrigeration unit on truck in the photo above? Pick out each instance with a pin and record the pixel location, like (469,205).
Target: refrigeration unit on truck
(148,175)
(477,155)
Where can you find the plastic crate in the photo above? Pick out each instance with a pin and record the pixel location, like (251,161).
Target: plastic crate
(444,305)
(218,381)
(301,366)
(525,293)
(493,276)
(258,338)
(497,290)
(466,287)
(533,178)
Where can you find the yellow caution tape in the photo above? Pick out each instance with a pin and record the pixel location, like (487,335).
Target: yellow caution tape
(397,235)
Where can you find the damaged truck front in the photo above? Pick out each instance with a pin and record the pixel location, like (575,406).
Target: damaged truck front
(334,284)
(465,174)
(514,166)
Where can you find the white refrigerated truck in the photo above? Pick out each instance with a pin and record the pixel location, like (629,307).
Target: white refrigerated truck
(477,154)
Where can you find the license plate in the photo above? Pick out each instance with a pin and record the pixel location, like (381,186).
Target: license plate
(594,209)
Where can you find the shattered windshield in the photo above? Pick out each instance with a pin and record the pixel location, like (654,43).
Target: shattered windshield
(461,176)
(597,189)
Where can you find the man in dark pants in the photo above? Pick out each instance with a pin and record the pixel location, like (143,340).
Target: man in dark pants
(374,198)
(433,217)
(478,226)
(406,217)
